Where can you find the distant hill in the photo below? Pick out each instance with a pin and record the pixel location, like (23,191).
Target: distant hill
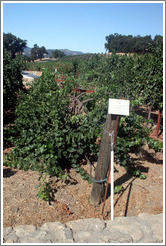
(27,51)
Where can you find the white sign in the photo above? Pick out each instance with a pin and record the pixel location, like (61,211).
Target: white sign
(118,106)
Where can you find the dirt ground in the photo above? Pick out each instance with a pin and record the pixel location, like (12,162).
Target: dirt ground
(70,200)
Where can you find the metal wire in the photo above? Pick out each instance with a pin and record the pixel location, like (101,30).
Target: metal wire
(96,181)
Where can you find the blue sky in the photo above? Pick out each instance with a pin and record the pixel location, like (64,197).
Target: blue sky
(80,26)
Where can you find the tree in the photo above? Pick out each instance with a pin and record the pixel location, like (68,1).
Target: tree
(57,53)
(12,79)
(137,44)
(158,40)
(38,52)
(13,44)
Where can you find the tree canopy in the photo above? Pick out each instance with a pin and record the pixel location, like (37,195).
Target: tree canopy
(13,44)
(57,53)
(136,44)
(38,52)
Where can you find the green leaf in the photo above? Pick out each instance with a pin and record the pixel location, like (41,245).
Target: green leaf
(137,173)
(143,176)
(118,188)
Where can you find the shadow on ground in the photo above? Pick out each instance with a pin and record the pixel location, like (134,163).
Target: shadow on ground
(8,172)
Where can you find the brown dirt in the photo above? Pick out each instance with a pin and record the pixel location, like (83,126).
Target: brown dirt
(71,199)
(21,206)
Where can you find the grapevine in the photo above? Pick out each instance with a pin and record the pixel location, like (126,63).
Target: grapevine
(50,138)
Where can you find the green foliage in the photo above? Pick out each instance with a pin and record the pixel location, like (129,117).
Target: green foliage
(121,43)
(133,77)
(65,67)
(12,79)
(45,188)
(75,65)
(51,139)
(44,192)
(13,44)
(57,53)
(132,135)
(118,189)
(38,52)
(79,58)
(82,172)
(143,176)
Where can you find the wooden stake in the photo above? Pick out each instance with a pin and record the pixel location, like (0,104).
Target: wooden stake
(97,193)
(149,111)
(158,124)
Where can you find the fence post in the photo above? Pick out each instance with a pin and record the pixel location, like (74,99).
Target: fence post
(158,123)
(97,193)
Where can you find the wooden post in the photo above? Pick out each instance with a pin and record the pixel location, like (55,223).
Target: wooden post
(109,171)
(149,111)
(97,193)
(158,123)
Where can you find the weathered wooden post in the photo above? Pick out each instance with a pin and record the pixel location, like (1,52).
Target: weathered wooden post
(158,124)
(98,188)
(116,107)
